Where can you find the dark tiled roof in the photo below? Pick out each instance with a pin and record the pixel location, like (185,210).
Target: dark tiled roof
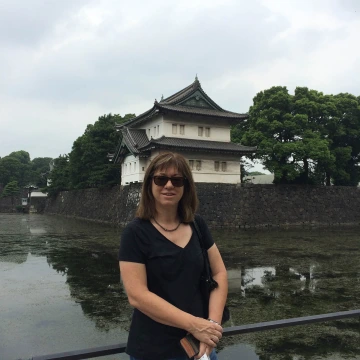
(203,111)
(174,103)
(182,94)
(135,139)
(206,145)
(140,118)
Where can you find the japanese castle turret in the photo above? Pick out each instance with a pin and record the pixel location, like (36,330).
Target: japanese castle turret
(190,123)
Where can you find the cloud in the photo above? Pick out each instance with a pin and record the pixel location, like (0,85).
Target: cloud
(27,23)
(64,63)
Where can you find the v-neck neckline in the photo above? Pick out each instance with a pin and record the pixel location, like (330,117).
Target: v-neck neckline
(178,246)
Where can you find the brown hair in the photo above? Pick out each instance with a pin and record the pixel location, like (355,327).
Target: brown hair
(188,203)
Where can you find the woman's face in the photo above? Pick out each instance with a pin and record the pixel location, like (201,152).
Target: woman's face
(168,195)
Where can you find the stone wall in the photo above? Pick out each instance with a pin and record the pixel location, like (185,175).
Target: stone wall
(226,205)
(38,204)
(279,205)
(6,205)
(116,205)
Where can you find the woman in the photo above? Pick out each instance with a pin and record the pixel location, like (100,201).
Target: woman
(161,262)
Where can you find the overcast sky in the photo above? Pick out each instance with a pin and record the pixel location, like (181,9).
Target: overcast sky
(66,62)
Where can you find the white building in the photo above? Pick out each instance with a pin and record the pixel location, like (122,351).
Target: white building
(190,123)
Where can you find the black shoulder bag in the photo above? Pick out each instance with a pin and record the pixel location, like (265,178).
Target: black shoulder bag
(207,283)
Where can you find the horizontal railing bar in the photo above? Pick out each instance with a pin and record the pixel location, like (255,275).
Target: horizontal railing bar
(277,324)
(235,330)
(86,353)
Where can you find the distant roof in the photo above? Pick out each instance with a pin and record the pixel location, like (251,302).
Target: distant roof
(200,111)
(135,139)
(190,100)
(38,194)
(205,145)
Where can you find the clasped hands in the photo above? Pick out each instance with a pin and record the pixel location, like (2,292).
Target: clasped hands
(209,333)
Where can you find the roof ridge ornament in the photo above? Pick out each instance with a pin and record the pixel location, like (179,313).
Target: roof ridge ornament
(197,82)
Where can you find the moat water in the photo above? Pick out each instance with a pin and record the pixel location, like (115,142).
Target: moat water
(60,289)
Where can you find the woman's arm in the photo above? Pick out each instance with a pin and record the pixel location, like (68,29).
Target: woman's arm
(217,296)
(152,305)
(218,270)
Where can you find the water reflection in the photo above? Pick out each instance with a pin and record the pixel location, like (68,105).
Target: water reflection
(37,231)
(245,278)
(289,274)
(59,285)
(68,272)
(93,280)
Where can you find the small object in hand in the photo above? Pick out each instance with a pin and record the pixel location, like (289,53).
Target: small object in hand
(204,357)
(190,345)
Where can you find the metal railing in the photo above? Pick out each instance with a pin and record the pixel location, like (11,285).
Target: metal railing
(236,330)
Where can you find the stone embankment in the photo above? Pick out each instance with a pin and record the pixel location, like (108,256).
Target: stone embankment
(225,205)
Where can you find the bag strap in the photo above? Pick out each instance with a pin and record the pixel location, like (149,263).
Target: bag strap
(199,234)
(207,267)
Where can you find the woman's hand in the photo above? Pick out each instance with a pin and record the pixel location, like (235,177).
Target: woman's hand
(204,349)
(207,332)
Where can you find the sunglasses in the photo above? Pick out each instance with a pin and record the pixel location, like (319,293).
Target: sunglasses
(178,181)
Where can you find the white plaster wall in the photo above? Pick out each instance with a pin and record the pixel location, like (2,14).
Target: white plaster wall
(154,128)
(132,170)
(207,173)
(218,130)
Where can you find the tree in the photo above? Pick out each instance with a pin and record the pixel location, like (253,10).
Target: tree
(11,190)
(59,176)
(344,131)
(245,166)
(10,169)
(305,138)
(15,167)
(89,165)
(40,170)
(18,167)
(22,156)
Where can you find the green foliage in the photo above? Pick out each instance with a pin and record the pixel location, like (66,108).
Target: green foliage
(15,167)
(305,138)
(10,190)
(59,176)
(22,156)
(18,167)
(254,173)
(86,166)
(40,170)
(345,135)
(245,165)
(89,164)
